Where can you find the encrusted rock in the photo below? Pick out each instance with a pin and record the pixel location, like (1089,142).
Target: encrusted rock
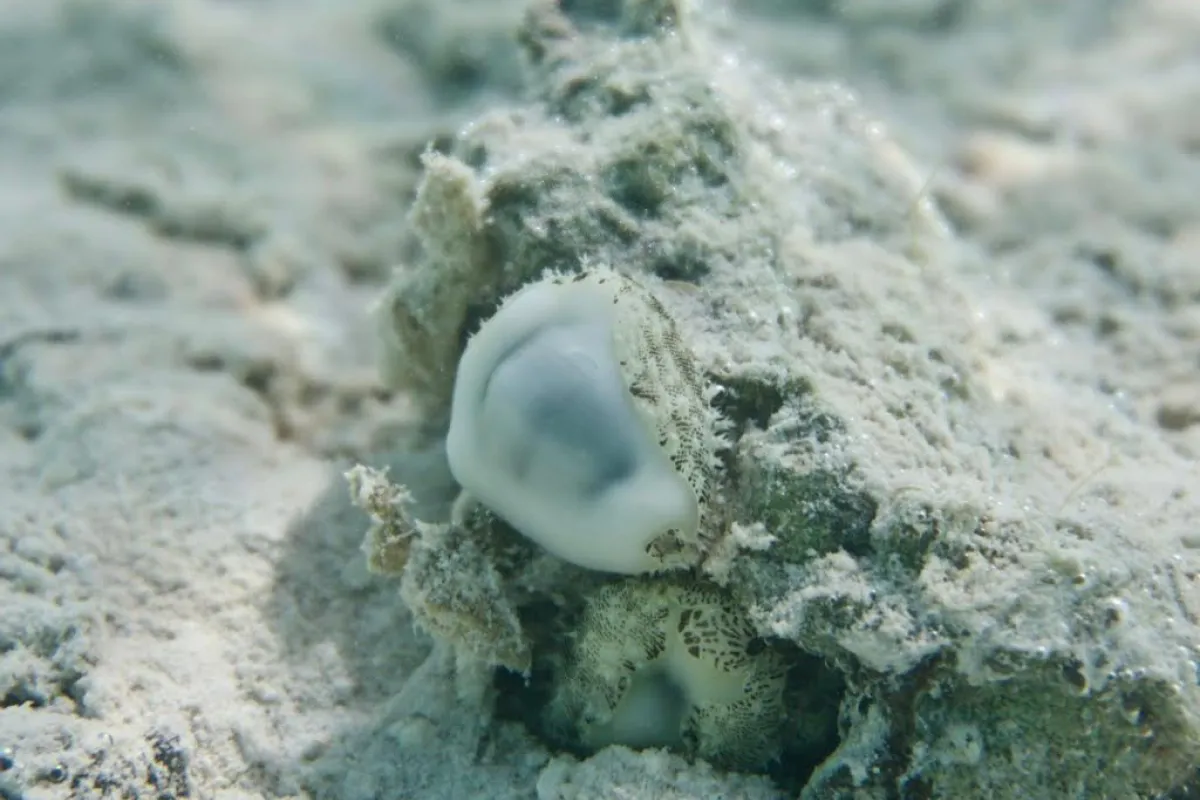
(1003,607)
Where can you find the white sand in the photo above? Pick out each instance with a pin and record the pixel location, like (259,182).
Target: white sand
(200,200)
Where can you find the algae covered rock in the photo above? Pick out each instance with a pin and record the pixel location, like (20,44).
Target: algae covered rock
(963,558)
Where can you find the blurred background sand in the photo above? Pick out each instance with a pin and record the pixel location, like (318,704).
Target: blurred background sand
(201,198)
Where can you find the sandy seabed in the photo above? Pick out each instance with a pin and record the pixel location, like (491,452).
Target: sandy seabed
(202,198)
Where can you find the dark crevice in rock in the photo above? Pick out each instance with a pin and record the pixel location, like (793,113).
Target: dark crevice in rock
(813,696)
(745,400)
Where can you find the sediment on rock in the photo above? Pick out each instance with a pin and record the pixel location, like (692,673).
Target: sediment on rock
(1003,619)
